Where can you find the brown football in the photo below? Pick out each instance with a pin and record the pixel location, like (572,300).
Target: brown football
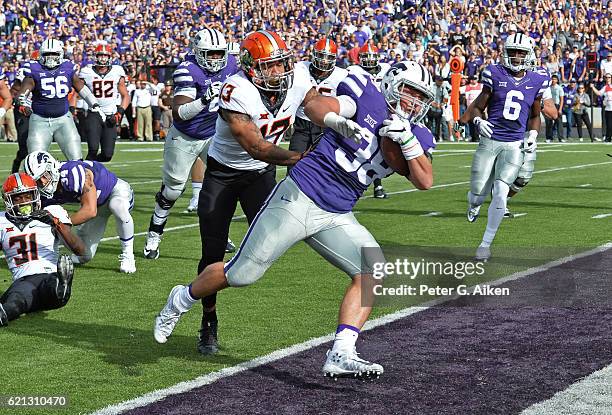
(392,153)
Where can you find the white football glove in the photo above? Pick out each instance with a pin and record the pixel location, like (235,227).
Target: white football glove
(484,127)
(212,92)
(25,103)
(346,128)
(400,132)
(96,109)
(530,141)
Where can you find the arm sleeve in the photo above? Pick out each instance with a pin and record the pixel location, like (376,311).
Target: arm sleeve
(487,78)
(74,180)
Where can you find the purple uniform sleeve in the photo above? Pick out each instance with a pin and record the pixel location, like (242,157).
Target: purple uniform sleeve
(487,77)
(73,177)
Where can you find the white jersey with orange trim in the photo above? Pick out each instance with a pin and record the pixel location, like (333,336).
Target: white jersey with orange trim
(327,86)
(240,95)
(33,249)
(383,67)
(104,87)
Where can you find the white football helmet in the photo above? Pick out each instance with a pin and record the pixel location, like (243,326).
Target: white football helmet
(523,43)
(206,41)
(51,53)
(42,164)
(399,85)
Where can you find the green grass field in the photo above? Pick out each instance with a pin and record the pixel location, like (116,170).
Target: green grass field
(99,349)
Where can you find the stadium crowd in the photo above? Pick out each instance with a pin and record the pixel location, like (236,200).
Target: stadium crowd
(147,34)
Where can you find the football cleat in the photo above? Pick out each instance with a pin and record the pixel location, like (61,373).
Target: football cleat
(472,213)
(483,253)
(508,214)
(379,193)
(151,249)
(127,263)
(207,340)
(3,317)
(230,247)
(167,318)
(65,273)
(347,363)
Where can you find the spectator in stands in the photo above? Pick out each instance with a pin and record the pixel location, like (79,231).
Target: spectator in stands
(579,108)
(606,93)
(141,111)
(552,125)
(568,101)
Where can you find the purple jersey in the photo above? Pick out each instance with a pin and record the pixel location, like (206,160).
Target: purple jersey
(72,179)
(337,172)
(511,100)
(193,81)
(50,95)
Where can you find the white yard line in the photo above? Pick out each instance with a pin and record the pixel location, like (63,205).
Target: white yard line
(307,345)
(590,396)
(602,216)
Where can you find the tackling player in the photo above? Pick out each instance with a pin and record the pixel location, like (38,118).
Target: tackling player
(369,62)
(325,77)
(44,94)
(107,82)
(314,203)
(30,239)
(511,95)
(100,194)
(197,82)
(257,106)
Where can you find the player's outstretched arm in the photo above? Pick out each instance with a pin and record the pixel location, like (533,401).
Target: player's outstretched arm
(535,122)
(89,201)
(245,131)
(71,240)
(421,172)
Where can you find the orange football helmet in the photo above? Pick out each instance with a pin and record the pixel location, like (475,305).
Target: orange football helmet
(324,54)
(266,60)
(368,56)
(35,55)
(17,184)
(103,55)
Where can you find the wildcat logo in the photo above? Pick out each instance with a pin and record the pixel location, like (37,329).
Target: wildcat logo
(371,121)
(503,84)
(42,157)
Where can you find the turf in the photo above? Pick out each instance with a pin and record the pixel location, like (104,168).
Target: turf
(99,349)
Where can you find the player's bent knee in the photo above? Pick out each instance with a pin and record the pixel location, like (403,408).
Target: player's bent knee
(519,183)
(167,196)
(243,272)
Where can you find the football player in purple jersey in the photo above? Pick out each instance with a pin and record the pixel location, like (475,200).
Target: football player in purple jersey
(100,194)
(44,97)
(511,96)
(314,203)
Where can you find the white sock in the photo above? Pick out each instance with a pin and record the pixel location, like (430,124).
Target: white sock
(127,246)
(496,212)
(475,200)
(346,337)
(184,301)
(195,190)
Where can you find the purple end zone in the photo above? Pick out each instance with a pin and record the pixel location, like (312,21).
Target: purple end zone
(485,359)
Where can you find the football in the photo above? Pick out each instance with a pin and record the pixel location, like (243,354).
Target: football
(392,153)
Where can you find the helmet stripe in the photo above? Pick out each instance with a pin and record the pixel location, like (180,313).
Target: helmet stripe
(18,179)
(270,38)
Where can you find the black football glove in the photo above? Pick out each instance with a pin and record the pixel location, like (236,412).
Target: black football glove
(43,216)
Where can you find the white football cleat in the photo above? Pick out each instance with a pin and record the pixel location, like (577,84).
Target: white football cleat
(167,318)
(483,253)
(127,263)
(508,214)
(151,249)
(472,213)
(347,363)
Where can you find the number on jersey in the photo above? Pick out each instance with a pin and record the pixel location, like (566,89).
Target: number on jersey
(55,87)
(512,108)
(25,242)
(103,88)
(274,131)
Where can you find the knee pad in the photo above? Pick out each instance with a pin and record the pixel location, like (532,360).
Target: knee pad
(519,183)
(166,197)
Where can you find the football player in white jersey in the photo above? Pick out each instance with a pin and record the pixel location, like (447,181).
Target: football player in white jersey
(325,76)
(30,239)
(106,81)
(44,94)
(369,62)
(256,107)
